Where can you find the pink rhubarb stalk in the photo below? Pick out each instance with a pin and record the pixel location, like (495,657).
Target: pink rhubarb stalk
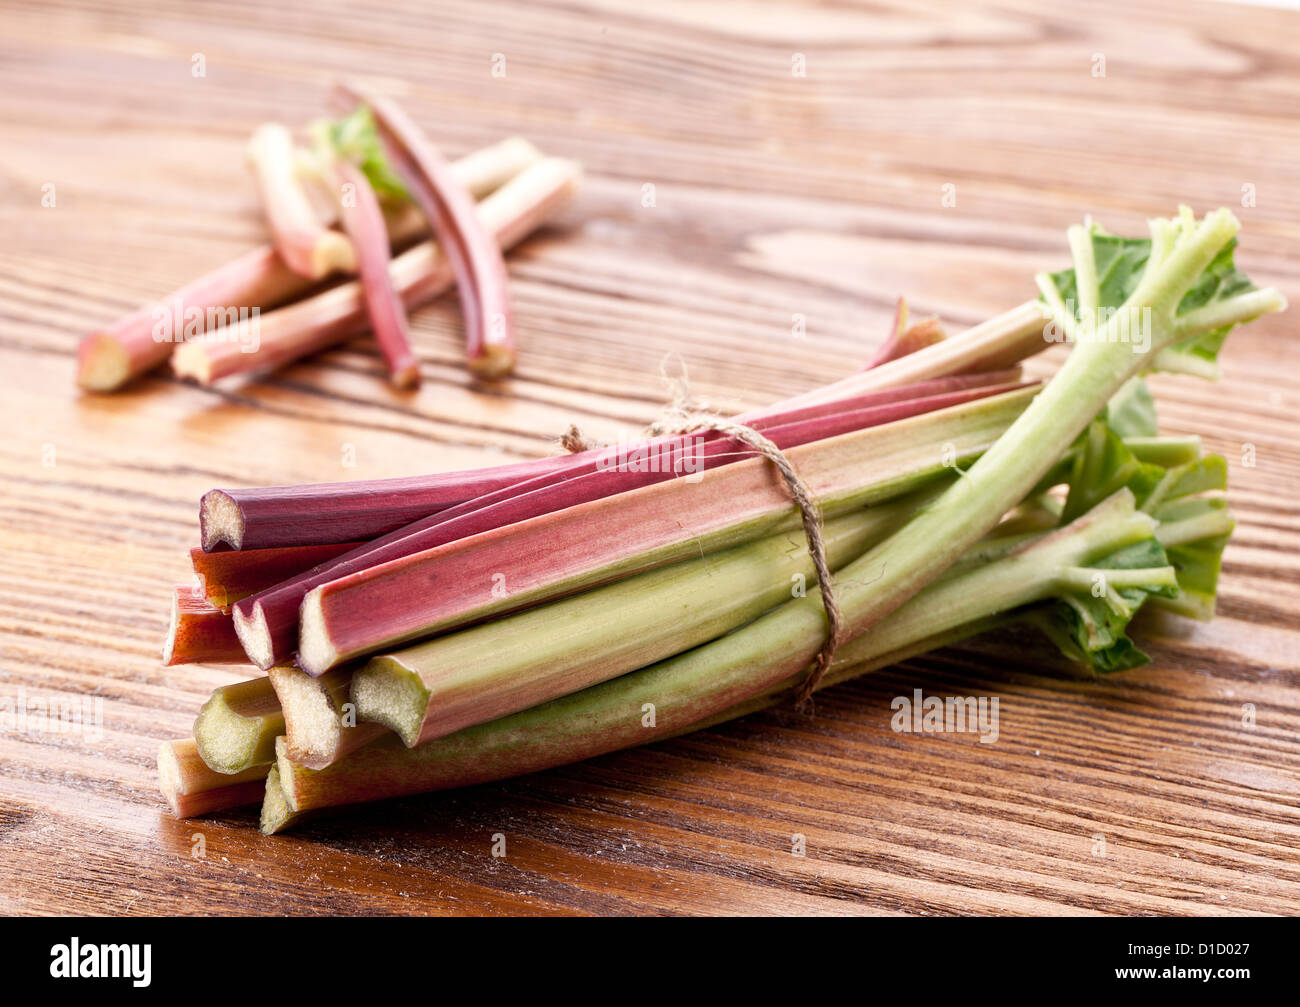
(363,220)
(307,246)
(420,274)
(112,356)
(475,257)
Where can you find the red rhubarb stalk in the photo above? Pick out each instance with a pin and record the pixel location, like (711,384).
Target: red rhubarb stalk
(363,220)
(199,631)
(277,516)
(475,257)
(227,576)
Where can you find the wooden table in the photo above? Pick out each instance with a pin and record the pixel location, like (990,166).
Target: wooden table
(774,195)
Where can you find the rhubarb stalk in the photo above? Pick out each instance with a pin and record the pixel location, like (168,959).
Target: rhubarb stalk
(268,623)
(307,246)
(474,256)
(227,576)
(109,358)
(363,220)
(199,632)
(237,726)
(509,664)
(517,564)
(904,338)
(419,274)
(192,789)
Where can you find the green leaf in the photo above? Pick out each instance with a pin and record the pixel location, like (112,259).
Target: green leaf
(1196,562)
(1121,654)
(1120,265)
(1199,355)
(1101,465)
(1131,411)
(355,138)
(1120,262)
(1090,628)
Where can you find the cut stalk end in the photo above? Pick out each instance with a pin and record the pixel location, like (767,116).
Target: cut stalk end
(316,651)
(220,520)
(191,360)
(311,723)
(406,377)
(316,733)
(169,776)
(494,362)
(332,252)
(387,692)
(102,363)
(254,635)
(199,632)
(169,644)
(237,726)
(276,813)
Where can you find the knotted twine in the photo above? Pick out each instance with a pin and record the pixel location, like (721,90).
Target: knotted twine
(680,417)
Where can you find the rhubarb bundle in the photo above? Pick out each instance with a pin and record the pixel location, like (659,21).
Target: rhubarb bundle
(435,632)
(374,174)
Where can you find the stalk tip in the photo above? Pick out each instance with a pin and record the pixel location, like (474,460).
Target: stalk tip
(190,360)
(494,362)
(387,692)
(102,363)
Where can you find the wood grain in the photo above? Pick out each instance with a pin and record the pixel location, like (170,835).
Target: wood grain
(774,196)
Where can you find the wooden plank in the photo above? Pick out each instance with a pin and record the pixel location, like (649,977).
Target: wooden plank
(774,196)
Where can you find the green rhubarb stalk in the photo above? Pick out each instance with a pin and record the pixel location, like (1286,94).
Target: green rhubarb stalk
(509,664)
(237,727)
(435,688)
(734,674)
(1157,303)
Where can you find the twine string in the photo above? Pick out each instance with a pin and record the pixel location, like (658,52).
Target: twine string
(680,417)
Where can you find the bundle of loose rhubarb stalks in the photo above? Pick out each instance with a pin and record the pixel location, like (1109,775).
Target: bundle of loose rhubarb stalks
(439,631)
(374,174)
